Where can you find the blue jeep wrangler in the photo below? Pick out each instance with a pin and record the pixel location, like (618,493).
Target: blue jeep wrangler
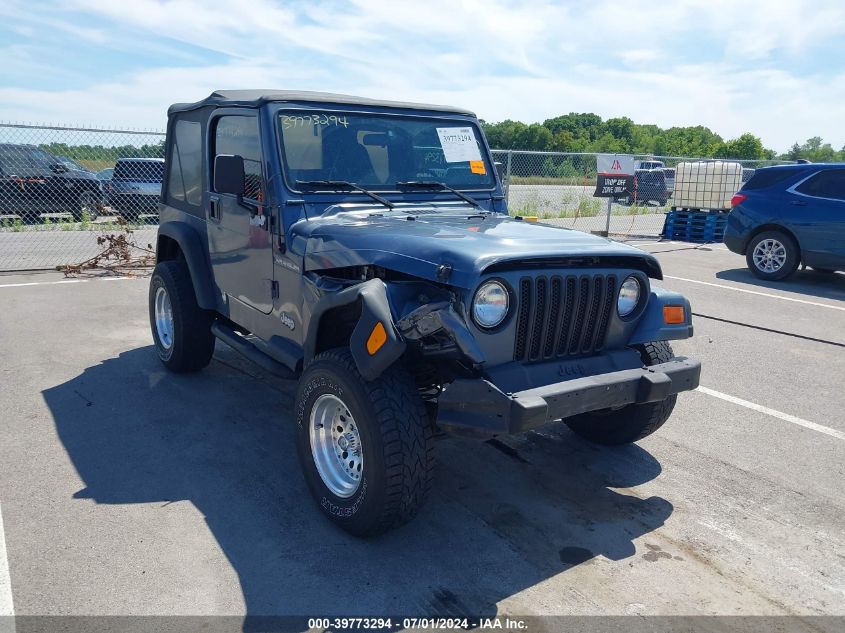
(364,248)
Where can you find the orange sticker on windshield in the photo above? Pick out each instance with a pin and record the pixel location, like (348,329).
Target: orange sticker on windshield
(477,167)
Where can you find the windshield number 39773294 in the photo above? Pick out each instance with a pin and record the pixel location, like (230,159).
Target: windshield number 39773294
(300,120)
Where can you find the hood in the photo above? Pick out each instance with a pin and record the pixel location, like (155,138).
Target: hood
(419,241)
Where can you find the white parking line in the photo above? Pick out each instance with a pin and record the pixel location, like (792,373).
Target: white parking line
(65,281)
(754,292)
(776,414)
(6,606)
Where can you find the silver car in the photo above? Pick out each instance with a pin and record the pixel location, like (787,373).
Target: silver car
(135,187)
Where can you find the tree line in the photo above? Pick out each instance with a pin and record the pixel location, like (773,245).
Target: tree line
(573,132)
(102,152)
(587,132)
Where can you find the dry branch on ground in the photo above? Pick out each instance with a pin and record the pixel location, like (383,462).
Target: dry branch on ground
(121,254)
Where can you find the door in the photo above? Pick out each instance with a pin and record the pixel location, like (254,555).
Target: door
(29,187)
(817,215)
(239,235)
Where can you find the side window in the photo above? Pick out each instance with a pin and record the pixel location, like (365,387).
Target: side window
(825,184)
(239,135)
(184,180)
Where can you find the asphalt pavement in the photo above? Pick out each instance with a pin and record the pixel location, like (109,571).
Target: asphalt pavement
(128,490)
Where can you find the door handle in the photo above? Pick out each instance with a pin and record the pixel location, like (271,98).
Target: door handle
(214,208)
(798,203)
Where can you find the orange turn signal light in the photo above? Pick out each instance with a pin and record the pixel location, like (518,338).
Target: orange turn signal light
(377,338)
(674,315)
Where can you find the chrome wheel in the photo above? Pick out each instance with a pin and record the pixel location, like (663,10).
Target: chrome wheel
(163,318)
(769,255)
(336,445)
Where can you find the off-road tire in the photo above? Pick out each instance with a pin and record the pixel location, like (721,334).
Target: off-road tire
(793,255)
(193,342)
(396,438)
(633,422)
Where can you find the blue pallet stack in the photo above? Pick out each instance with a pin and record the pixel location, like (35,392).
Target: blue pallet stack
(686,225)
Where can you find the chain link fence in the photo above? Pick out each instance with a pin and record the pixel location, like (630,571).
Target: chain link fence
(63,190)
(558,188)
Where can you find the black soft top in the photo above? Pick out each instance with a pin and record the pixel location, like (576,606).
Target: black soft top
(256,98)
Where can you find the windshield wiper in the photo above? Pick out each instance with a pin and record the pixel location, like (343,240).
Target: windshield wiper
(437,186)
(343,185)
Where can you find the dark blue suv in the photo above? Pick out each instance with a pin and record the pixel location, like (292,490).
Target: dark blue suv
(788,215)
(364,248)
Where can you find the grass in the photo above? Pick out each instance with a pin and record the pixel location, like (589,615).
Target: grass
(562,205)
(96,165)
(572,181)
(14,225)
(574,206)
(85,223)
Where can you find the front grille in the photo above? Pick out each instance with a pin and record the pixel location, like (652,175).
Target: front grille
(562,315)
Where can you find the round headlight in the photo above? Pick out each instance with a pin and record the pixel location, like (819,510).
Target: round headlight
(629,296)
(490,306)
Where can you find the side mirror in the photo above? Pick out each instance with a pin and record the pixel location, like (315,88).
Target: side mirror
(229,174)
(58,168)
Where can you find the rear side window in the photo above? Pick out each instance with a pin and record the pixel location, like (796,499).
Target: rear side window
(763,178)
(239,135)
(24,160)
(139,170)
(825,184)
(184,180)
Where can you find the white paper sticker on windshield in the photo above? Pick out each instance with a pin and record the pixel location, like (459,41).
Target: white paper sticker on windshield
(458,144)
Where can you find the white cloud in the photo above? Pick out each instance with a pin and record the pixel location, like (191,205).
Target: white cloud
(504,60)
(639,55)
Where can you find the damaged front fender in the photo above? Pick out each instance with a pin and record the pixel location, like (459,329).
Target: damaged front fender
(434,330)
(374,342)
(438,330)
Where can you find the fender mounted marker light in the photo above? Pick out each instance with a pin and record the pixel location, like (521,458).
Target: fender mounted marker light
(674,315)
(377,338)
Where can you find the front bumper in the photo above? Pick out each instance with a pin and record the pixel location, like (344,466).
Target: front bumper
(478,407)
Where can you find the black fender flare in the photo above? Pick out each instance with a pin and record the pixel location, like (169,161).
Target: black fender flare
(195,256)
(375,311)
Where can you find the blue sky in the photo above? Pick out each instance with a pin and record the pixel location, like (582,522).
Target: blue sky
(774,68)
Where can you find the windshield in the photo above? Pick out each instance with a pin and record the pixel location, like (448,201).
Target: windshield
(378,151)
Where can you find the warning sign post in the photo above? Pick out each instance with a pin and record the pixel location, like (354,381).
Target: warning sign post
(615,179)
